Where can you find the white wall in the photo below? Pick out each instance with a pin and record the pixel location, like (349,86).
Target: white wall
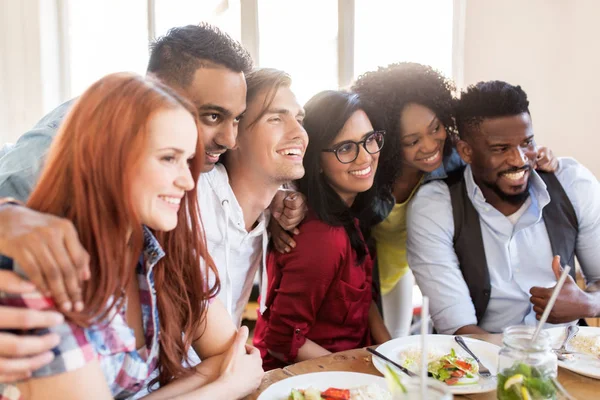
(551,49)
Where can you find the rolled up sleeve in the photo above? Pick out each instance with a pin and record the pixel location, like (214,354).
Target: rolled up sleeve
(431,257)
(307,273)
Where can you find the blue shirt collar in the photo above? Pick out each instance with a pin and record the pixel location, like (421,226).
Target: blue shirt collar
(450,163)
(152,251)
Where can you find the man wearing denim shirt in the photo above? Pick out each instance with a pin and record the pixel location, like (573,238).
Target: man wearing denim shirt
(509,197)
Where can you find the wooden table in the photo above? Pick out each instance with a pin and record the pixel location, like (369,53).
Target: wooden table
(359,360)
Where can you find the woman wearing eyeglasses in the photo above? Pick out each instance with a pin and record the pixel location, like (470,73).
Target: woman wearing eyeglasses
(319,297)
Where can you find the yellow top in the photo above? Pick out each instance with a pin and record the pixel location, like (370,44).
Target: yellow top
(390,240)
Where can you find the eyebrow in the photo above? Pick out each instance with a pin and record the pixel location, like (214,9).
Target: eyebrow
(219,109)
(285,111)
(428,126)
(508,144)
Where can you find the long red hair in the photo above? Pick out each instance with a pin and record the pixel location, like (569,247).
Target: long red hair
(87,179)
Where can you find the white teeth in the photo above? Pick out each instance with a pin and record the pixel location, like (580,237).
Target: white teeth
(290,152)
(433,157)
(171,200)
(515,176)
(362,172)
(213,154)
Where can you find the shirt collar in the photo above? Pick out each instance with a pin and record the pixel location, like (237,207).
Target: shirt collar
(152,250)
(450,163)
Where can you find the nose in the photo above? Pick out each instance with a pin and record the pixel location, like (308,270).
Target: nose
(429,145)
(227,136)
(517,157)
(364,157)
(184,180)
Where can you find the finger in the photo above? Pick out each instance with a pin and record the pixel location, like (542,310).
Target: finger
(20,365)
(23,318)
(296,231)
(77,253)
(543,293)
(538,310)
(538,301)
(240,340)
(24,346)
(11,378)
(294,202)
(251,350)
(279,244)
(53,277)
(556,267)
(12,283)
(68,274)
(28,261)
(287,239)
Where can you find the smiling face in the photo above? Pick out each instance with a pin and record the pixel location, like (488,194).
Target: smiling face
(219,94)
(502,154)
(350,179)
(422,137)
(162,175)
(274,145)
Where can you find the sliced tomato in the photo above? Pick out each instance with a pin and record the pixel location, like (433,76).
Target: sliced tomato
(458,373)
(463,365)
(448,366)
(452,381)
(336,394)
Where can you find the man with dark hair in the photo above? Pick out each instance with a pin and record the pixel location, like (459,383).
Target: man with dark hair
(486,245)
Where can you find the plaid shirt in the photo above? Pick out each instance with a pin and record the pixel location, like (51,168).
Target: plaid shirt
(125,368)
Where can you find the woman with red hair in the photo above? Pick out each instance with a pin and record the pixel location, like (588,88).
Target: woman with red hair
(123,170)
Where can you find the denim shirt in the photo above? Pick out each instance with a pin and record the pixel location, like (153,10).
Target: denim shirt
(21,165)
(383,205)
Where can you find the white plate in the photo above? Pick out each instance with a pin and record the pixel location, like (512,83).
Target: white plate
(487,353)
(320,380)
(584,365)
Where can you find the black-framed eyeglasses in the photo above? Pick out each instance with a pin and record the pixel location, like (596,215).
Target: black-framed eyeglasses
(347,151)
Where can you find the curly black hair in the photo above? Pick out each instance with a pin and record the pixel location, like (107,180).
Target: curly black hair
(175,57)
(387,91)
(488,100)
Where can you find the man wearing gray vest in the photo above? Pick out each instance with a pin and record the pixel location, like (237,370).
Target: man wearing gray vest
(486,245)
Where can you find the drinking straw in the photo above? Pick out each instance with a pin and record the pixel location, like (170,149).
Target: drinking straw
(551,302)
(424,332)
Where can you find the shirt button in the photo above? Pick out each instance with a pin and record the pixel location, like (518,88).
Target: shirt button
(297,331)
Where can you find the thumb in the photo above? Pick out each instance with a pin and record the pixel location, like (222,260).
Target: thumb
(240,340)
(556,267)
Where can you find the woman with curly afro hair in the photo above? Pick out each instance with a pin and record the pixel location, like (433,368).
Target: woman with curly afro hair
(414,104)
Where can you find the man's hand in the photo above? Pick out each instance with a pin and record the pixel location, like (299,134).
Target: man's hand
(571,304)
(48,250)
(20,355)
(546,161)
(242,366)
(289,209)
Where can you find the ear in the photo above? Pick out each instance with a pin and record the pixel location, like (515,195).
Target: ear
(465,151)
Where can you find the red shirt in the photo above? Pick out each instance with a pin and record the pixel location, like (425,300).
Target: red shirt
(316,292)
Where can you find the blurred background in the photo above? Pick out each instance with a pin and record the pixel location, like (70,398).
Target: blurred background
(51,50)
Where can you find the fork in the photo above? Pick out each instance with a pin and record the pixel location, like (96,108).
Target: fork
(562,350)
(483,371)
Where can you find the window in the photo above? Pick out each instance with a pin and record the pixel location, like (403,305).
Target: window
(103,37)
(300,37)
(404,30)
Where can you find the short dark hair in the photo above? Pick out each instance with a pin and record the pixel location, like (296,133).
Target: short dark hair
(387,91)
(326,114)
(175,57)
(269,79)
(488,100)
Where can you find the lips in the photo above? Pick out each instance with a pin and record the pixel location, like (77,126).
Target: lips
(362,173)
(433,159)
(171,201)
(213,157)
(516,177)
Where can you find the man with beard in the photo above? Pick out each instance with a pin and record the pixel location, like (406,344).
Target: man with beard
(486,245)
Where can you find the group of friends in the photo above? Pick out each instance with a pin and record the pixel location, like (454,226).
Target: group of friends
(134,219)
